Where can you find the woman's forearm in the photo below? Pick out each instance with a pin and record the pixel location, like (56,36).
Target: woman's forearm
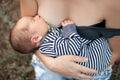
(28,7)
(115,48)
(66,66)
(48,61)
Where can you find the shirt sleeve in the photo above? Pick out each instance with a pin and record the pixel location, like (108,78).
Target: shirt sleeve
(69,42)
(69,30)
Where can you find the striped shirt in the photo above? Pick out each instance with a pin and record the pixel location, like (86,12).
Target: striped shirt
(66,41)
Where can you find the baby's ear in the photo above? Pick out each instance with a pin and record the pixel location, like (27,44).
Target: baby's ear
(36,38)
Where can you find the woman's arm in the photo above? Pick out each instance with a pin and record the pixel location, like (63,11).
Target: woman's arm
(66,66)
(28,7)
(115,47)
(112,17)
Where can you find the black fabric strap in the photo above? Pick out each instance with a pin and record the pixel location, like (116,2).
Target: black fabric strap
(92,33)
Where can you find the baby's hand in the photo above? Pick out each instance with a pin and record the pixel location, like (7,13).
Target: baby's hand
(67,22)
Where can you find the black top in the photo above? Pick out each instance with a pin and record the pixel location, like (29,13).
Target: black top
(96,31)
(101,24)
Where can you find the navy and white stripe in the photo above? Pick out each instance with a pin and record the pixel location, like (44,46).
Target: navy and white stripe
(97,51)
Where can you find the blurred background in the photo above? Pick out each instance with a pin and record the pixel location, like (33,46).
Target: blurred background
(15,66)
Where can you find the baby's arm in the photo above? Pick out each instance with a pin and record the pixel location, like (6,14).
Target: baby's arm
(69,42)
(69,28)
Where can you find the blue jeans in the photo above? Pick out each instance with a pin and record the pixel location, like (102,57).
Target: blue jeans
(42,73)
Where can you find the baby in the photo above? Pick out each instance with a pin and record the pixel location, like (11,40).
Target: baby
(28,32)
(31,33)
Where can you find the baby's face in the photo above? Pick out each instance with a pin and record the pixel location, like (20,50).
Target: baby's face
(35,24)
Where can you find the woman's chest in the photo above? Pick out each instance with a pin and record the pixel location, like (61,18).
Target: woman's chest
(81,12)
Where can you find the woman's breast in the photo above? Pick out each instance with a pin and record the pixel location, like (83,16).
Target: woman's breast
(53,11)
(85,12)
(82,13)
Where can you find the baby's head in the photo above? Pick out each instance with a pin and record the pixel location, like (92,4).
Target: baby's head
(27,33)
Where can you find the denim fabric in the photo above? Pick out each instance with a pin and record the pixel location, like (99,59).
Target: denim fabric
(104,75)
(42,73)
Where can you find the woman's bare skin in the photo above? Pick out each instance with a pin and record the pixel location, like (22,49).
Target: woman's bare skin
(83,13)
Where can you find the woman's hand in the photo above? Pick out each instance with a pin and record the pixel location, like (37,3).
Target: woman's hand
(66,66)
